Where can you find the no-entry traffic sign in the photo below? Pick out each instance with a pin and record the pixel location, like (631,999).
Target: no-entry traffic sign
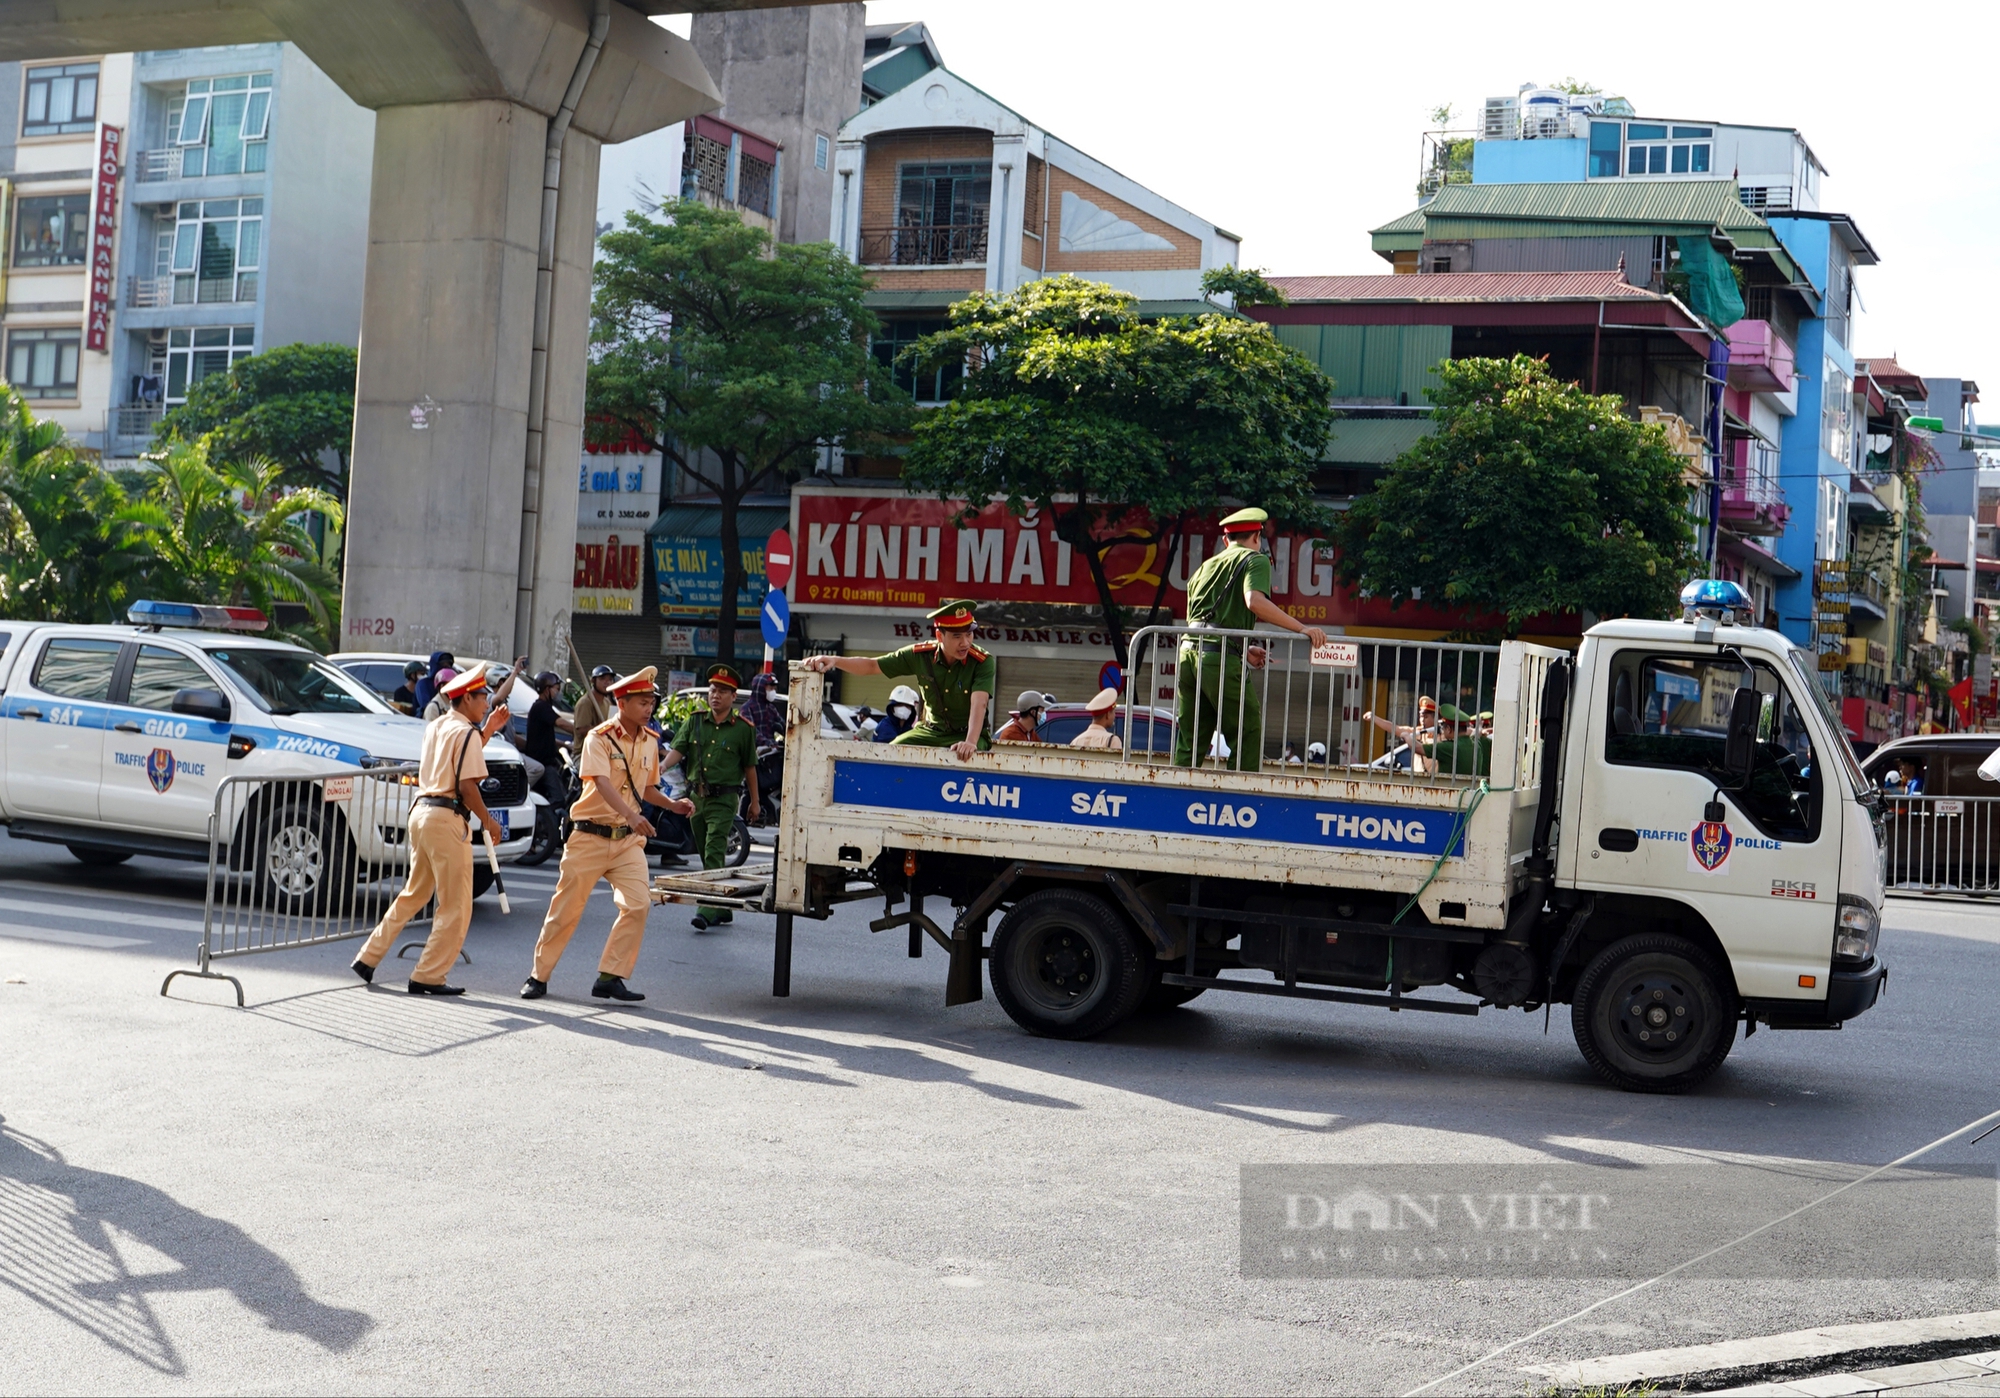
(778,560)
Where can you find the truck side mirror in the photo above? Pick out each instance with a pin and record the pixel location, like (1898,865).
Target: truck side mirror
(1739,750)
(202,703)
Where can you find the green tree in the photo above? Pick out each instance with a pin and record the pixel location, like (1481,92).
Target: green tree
(293,404)
(71,542)
(1248,285)
(231,533)
(1121,430)
(734,358)
(1531,497)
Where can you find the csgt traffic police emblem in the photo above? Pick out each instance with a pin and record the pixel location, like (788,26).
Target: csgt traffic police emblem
(160,768)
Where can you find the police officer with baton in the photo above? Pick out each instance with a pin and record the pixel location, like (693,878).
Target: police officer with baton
(621,775)
(448,776)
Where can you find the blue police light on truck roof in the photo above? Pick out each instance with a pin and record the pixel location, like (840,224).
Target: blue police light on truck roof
(1713,595)
(147,612)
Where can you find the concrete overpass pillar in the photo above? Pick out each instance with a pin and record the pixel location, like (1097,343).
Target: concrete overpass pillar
(441,412)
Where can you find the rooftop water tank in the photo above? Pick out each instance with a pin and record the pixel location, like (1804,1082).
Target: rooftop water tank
(1544,114)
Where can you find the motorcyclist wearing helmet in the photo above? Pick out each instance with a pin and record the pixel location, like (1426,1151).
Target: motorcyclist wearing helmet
(1024,724)
(596,707)
(902,714)
(405,697)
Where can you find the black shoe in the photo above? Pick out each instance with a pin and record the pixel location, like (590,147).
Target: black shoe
(614,988)
(534,989)
(422,988)
(363,970)
(700,923)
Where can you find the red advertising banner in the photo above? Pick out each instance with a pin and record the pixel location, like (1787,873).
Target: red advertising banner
(103,234)
(874,553)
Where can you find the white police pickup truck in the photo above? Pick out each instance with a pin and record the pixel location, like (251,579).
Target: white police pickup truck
(114,741)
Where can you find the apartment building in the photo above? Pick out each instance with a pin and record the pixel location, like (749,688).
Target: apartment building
(171,212)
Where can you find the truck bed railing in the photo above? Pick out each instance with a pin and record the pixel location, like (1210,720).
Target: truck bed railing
(1380,709)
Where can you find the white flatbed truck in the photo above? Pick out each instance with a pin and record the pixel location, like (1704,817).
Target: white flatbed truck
(1667,832)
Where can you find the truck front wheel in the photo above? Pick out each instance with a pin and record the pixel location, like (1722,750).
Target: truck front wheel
(1653,1013)
(1065,966)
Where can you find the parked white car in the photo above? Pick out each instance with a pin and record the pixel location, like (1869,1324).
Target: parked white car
(114,741)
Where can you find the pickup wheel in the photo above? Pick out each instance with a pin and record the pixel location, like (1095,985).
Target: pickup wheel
(482,876)
(1653,1013)
(1064,965)
(303,860)
(99,858)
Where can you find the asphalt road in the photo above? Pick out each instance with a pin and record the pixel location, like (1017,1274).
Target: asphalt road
(345,1189)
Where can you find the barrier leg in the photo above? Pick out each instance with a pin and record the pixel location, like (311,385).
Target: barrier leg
(405,947)
(206,976)
(916,928)
(781,957)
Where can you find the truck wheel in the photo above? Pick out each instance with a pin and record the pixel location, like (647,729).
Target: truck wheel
(99,858)
(304,861)
(1065,966)
(1653,1013)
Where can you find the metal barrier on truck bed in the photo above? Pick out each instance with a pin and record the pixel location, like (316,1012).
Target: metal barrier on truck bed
(1418,711)
(297,861)
(1941,844)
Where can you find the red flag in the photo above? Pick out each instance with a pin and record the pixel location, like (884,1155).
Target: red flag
(1961,699)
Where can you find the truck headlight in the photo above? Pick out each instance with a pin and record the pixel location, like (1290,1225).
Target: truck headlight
(1856,926)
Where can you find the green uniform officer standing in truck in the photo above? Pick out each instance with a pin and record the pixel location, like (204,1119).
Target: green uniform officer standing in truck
(955,678)
(719,746)
(1230,592)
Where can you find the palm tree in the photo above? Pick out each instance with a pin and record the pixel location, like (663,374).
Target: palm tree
(71,541)
(231,533)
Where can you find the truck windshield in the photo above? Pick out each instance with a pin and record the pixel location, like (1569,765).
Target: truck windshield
(1809,679)
(292,682)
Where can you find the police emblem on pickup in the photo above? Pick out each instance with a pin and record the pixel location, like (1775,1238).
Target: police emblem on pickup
(160,768)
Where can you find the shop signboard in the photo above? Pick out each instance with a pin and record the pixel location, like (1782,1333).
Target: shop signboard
(618,495)
(687,570)
(886,553)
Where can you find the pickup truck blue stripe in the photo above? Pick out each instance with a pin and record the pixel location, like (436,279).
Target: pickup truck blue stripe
(1289,820)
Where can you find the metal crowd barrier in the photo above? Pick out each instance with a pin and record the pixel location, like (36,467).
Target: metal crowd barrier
(1258,700)
(297,861)
(1941,844)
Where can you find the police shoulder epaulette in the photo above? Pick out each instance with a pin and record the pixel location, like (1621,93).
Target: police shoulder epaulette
(604,727)
(924,647)
(978,654)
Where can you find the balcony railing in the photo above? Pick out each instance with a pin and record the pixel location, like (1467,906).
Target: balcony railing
(153,166)
(923,245)
(132,423)
(157,293)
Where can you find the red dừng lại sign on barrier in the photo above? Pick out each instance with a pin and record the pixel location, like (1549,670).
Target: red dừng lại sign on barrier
(877,552)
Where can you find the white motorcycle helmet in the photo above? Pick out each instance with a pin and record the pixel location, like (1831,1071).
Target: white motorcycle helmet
(902,694)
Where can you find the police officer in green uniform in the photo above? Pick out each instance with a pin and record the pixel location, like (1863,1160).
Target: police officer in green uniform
(954,676)
(1230,592)
(719,746)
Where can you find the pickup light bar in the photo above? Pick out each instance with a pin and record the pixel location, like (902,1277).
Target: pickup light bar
(147,612)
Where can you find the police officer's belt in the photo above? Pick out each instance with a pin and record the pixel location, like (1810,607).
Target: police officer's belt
(609,832)
(449,803)
(705,789)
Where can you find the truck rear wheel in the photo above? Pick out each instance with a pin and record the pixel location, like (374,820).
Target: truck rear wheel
(1653,1013)
(1065,966)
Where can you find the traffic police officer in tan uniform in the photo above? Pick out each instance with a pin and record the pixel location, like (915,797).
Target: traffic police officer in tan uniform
(448,776)
(719,746)
(955,677)
(620,769)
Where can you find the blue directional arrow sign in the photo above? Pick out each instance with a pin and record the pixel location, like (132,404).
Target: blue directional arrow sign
(777,619)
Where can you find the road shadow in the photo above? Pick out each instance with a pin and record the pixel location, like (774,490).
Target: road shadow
(59,1226)
(798,1056)
(392,1020)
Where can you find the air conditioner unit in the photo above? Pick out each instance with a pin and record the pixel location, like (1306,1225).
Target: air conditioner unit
(1502,119)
